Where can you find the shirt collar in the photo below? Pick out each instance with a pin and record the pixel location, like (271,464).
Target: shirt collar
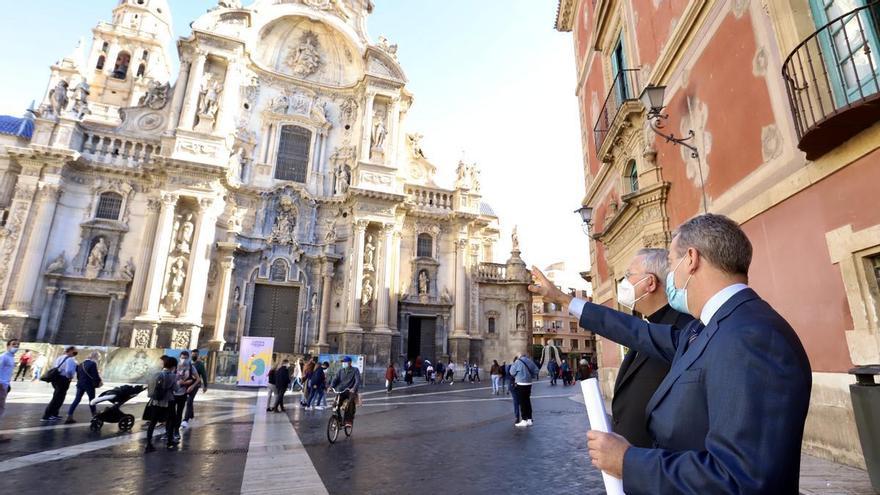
(715,302)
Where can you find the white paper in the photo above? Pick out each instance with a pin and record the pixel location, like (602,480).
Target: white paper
(599,422)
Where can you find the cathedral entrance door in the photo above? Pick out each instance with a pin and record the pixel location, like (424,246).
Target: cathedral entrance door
(84,320)
(421,338)
(274,314)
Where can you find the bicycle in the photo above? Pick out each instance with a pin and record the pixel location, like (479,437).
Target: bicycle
(337,420)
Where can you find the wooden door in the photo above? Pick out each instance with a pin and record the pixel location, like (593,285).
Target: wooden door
(274,314)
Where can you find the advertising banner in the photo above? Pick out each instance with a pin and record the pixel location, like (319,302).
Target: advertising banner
(335,361)
(254,361)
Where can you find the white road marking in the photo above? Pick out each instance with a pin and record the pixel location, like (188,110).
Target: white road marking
(457,391)
(275,445)
(75,450)
(488,399)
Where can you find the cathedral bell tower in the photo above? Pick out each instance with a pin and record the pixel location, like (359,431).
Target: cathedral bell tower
(127,54)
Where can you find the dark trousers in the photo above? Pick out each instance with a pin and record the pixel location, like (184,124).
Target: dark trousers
(169,420)
(190,411)
(524,396)
(22,372)
(553,376)
(279,403)
(176,416)
(348,404)
(61,384)
(515,397)
(90,391)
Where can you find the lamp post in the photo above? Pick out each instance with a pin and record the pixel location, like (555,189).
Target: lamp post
(652,98)
(586,214)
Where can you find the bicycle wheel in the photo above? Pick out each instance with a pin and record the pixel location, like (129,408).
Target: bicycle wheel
(333,429)
(348,429)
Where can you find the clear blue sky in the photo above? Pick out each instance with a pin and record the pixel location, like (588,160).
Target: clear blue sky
(491,78)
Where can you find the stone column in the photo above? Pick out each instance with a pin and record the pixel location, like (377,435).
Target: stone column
(200,263)
(395,131)
(55,315)
(460,288)
(366,143)
(383,281)
(192,90)
(44,316)
(229,100)
(326,288)
(179,92)
(394,285)
(227,264)
(31,267)
(359,230)
(161,247)
(114,317)
(138,284)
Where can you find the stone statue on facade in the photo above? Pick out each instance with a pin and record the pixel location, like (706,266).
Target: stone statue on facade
(80,107)
(229,4)
(57,265)
(280,104)
(97,256)
(209,97)
(367,293)
(128,270)
(236,165)
(285,223)
(463,176)
(319,112)
(385,46)
(514,239)
(185,233)
(156,96)
(58,99)
(342,179)
(176,277)
(304,59)
(314,306)
(377,141)
(520,317)
(415,145)
(423,283)
(348,111)
(369,252)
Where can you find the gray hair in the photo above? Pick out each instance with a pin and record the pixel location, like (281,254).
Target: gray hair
(656,262)
(719,239)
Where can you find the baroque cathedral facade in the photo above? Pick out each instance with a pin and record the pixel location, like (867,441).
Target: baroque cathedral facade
(272,190)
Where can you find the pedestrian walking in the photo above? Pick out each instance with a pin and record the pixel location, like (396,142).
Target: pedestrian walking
(426,365)
(565,371)
(24,364)
(317,385)
(59,376)
(160,406)
(408,373)
(430,374)
(282,381)
(450,372)
(39,365)
(273,391)
(307,374)
(476,375)
(495,374)
(187,381)
(298,375)
(553,371)
(7,367)
(390,377)
(584,372)
(87,381)
(504,378)
(523,370)
(511,389)
(193,389)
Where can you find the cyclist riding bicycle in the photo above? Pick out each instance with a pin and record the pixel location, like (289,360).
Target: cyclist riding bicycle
(348,380)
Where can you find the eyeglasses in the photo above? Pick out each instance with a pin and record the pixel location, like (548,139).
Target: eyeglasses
(628,274)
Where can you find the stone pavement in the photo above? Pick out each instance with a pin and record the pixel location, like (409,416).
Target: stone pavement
(443,439)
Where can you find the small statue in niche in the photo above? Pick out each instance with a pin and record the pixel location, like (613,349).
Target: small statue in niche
(80,107)
(369,251)
(156,96)
(57,265)
(330,237)
(280,104)
(423,283)
(342,179)
(97,256)
(177,276)
(314,307)
(319,112)
(285,222)
(236,294)
(58,97)
(379,132)
(514,238)
(236,165)
(367,293)
(186,232)
(520,317)
(304,59)
(209,98)
(128,270)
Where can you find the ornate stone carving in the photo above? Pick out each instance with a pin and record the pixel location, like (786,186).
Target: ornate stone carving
(97,258)
(58,265)
(521,317)
(415,145)
(128,270)
(156,96)
(176,280)
(180,338)
(336,6)
(348,112)
(58,99)
(377,139)
(514,238)
(80,107)
(369,253)
(304,59)
(284,229)
(142,338)
(385,46)
(185,228)
(424,283)
(367,292)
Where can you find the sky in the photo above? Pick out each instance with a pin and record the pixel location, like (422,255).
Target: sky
(493,83)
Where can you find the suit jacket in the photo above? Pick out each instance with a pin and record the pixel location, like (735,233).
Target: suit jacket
(638,378)
(729,417)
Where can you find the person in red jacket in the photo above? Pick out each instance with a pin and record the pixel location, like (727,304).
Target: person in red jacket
(390,376)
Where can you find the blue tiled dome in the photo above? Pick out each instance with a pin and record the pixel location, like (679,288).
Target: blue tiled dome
(16,126)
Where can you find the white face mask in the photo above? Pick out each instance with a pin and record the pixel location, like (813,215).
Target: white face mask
(626,293)
(13,349)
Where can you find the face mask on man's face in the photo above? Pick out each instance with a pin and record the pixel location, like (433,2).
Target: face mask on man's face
(677,297)
(346,365)
(13,349)
(626,293)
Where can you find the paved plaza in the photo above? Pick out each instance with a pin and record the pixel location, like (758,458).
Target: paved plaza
(423,439)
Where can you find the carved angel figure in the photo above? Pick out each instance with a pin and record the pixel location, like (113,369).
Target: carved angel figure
(209,98)
(80,106)
(342,179)
(57,265)
(415,145)
(319,112)
(304,59)
(229,4)
(156,96)
(390,49)
(514,237)
(423,282)
(129,269)
(58,97)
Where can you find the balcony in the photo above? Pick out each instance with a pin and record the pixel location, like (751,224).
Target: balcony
(832,81)
(492,272)
(117,151)
(624,88)
(431,199)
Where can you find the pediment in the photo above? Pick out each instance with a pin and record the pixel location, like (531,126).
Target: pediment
(381,65)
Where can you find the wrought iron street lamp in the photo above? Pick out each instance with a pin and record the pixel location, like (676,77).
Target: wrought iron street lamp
(586,214)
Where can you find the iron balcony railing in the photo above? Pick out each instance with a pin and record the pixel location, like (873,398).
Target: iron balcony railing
(835,69)
(624,88)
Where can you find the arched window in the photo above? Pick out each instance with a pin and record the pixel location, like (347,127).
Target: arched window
(292,161)
(109,206)
(425,248)
(101,61)
(120,70)
(141,70)
(632,176)
(491,325)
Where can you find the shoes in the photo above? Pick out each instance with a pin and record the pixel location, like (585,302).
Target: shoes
(320,408)
(308,408)
(45,420)
(70,420)
(149,448)
(55,418)
(171,446)
(268,409)
(529,422)
(184,425)
(176,439)
(522,424)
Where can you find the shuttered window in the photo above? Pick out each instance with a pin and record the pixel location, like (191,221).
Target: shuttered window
(109,206)
(293,154)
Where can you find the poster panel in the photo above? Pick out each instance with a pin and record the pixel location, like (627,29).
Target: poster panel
(254,361)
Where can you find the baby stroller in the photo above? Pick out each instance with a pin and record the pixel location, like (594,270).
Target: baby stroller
(113,414)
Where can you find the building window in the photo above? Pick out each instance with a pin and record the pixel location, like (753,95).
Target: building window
(141,70)
(618,64)
(120,70)
(557,342)
(875,268)
(293,154)
(101,61)
(575,344)
(572,326)
(632,176)
(425,248)
(491,325)
(109,206)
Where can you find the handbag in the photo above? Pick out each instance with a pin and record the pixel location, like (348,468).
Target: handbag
(53,374)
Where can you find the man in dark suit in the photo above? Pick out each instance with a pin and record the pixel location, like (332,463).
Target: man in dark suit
(641,290)
(729,417)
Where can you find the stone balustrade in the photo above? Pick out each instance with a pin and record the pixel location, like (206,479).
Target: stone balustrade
(430,198)
(117,151)
(492,272)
